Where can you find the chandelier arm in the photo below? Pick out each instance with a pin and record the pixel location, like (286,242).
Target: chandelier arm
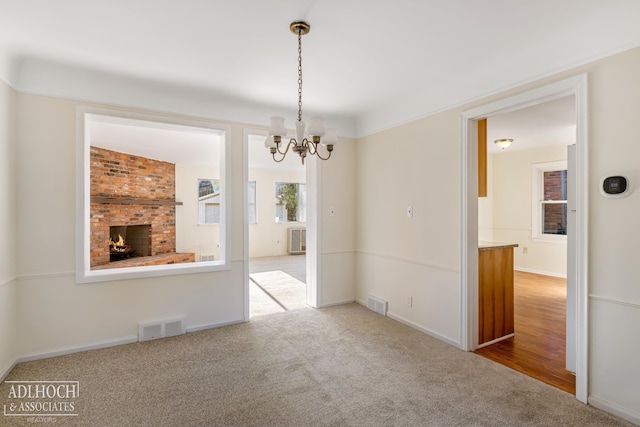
(284,153)
(314,145)
(276,160)
(322,158)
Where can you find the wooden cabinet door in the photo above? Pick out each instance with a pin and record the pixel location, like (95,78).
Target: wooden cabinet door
(495,294)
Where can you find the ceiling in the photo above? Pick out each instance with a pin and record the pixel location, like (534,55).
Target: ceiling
(368,64)
(178,144)
(541,125)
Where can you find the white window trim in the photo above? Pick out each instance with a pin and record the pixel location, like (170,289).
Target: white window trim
(537,196)
(84,274)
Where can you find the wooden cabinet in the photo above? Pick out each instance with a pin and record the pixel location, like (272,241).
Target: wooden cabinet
(495,292)
(482,158)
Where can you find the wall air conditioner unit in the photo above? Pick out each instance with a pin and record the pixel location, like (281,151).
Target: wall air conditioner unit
(297,241)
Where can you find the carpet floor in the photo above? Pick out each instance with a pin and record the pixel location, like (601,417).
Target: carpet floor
(338,366)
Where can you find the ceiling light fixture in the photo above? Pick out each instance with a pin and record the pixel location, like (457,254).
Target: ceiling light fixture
(503,143)
(316,134)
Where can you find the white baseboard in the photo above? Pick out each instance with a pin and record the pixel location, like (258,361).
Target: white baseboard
(76,349)
(332,304)
(204,327)
(423,329)
(543,273)
(614,409)
(46,354)
(4,371)
(416,326)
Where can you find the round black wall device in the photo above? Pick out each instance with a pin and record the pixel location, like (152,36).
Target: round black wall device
(615,186)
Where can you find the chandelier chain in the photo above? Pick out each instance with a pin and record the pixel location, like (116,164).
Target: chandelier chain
(299,74)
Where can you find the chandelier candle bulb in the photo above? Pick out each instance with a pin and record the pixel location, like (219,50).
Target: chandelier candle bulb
(330,138)
(316,128)
(277,127)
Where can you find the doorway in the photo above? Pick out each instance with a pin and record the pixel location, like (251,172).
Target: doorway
(469,259)
(526,204)
(279,228)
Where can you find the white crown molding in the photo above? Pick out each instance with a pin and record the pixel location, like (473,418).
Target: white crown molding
(39,77)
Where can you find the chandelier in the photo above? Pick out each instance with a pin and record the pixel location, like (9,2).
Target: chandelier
(305,143)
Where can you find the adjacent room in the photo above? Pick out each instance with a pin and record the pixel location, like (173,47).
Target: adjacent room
(277,231)
(525,204)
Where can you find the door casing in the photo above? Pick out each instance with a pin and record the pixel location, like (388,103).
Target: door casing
(576,86)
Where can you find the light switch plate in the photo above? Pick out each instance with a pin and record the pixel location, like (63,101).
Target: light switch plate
(409,211)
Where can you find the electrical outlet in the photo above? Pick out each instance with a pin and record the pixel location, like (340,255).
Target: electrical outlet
(409,301)
(525,250)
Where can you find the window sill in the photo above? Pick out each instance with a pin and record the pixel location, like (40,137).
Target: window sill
(94,276)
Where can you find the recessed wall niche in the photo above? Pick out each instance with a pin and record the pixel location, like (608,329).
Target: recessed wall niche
(138,215)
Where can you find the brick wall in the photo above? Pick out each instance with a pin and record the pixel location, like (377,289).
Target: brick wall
(140,183)
(122,175)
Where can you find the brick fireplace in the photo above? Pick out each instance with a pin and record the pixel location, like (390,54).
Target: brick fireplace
(134,198)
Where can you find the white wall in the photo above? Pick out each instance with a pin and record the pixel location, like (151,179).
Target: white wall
(614,270)
(419,164)
(55,313)
(191,236)
(511,198)
(9,240)
(266,237)
(338,232)
(485,207)
(416,165)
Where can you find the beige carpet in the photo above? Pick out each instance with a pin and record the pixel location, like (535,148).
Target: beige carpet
(340,366)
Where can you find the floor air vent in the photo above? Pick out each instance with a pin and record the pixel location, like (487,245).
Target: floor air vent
(152,331)
(377,305)
(173,328)
(149,332)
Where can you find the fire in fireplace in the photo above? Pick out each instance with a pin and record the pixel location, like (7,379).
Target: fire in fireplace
(127,241)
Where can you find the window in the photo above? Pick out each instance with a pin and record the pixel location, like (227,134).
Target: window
(138,210)
(208,201)
(549,207)
(291,202)
(252,203)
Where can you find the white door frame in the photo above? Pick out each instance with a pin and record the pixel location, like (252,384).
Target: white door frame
(313,260)
(576,86)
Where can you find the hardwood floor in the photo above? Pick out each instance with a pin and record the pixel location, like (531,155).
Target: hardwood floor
(538,347)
